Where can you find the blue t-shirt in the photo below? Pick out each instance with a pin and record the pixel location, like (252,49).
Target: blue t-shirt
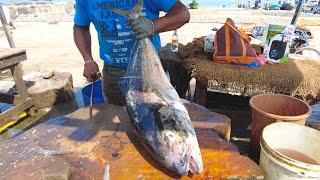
(115,39)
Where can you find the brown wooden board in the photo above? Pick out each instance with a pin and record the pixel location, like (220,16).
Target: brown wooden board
(11,56)
(10,59)
(9,52)
(108,139)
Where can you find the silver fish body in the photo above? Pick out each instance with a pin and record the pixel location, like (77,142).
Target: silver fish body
(156,111)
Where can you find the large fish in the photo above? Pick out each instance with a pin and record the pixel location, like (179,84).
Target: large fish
(155,108)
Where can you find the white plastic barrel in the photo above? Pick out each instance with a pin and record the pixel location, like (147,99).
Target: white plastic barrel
(290,151)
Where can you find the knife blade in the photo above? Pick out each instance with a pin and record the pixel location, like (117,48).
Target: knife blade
(91,96)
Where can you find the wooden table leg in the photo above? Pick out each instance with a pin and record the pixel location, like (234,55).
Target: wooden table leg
(26,101)
(201,95)
(17,76)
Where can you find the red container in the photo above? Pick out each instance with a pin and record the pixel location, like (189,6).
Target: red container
(271,108)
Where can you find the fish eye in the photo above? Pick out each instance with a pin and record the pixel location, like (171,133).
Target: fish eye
(169,136)
(182,162)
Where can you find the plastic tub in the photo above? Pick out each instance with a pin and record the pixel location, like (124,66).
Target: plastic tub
(271,108)
(290,151)
(97,95)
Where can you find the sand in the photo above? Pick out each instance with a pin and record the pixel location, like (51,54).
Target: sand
(51,46)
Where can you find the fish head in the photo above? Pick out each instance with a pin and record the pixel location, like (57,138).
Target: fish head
(181,149)
(183,153)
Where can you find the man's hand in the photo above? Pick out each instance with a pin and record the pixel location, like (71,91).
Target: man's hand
(91,71)
(142,27)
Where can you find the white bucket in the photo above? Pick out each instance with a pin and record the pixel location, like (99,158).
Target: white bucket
(290,136)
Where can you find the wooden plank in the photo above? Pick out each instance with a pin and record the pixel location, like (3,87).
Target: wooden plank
(203,118)
(9,52)
(8,62)
(17,76)
(10,99)
(4,117)
(6,28)
(11,57)
(75,135)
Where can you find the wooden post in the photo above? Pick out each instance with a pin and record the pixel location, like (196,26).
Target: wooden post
(8,32)
(201,94)
(296,13)
(6,28)
(17,76)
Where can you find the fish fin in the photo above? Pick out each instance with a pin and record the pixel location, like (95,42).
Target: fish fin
(124,13)
(138,7)
(130,14)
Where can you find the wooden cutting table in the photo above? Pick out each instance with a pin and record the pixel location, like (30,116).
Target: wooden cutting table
(10,59)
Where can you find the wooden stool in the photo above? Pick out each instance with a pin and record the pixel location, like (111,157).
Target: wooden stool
(10,59)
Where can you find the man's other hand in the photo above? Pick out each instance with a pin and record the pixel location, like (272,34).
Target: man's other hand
(91,71)
(142,27)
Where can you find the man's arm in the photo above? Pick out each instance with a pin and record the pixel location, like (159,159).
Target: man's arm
(82,39)
(176,17)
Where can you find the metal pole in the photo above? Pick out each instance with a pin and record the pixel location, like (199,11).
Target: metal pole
(296,13)
(6,28)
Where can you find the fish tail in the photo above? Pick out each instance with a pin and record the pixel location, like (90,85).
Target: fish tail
(130,14)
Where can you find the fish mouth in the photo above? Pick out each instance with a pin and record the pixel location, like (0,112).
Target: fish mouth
(195,166)
(181,166)
(192,165)
(191,162)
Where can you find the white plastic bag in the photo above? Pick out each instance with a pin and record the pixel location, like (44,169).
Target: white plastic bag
(208,43)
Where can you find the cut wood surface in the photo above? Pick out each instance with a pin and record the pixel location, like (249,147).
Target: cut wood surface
(89,145)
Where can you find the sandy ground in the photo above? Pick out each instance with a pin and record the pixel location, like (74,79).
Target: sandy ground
(51,46)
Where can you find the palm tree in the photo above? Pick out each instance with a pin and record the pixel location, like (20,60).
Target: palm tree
(194,4)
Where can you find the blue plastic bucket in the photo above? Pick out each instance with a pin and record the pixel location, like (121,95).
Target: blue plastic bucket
(97,95)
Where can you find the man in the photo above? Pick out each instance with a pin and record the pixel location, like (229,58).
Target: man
(116,39)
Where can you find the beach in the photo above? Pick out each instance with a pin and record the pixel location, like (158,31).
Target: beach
(48,38)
